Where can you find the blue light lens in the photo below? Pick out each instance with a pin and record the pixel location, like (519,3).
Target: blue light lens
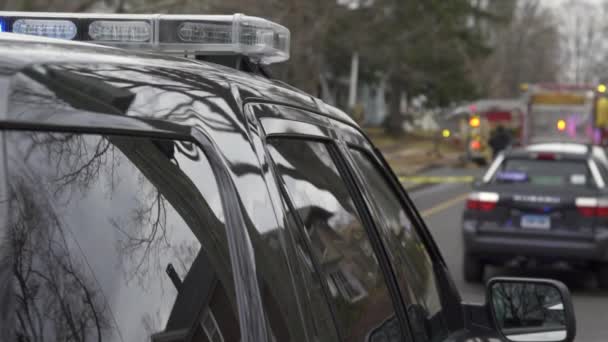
(51,28)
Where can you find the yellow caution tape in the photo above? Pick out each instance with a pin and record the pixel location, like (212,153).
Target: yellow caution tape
(436,179)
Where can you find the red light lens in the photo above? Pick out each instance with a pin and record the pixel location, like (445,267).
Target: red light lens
(545,156)
(592,207)
(587,211)
(601,211)
(472,204)
(475,145)
(482,201)
(487,206)
(480,205)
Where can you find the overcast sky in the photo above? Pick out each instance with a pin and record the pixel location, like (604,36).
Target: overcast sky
(557,3)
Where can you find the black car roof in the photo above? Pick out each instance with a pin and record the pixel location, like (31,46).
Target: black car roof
(20,52)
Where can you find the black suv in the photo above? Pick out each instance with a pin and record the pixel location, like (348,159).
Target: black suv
(150,198)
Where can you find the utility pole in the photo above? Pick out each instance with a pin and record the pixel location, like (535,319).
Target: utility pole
(354,79)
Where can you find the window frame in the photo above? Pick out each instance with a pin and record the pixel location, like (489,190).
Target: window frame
(250,310)
(300,228)
(450,299)
(285,121)
(366,222)
(349,149)
(6,289)
(295,123)
(298,123)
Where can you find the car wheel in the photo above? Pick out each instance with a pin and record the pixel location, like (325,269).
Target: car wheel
(602,276)
(473,269)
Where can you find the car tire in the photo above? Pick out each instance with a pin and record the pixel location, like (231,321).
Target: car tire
(473,269)
(602,276)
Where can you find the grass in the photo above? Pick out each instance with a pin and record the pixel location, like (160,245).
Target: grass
(413,151)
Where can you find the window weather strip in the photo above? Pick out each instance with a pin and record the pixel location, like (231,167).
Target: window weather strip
(251,312)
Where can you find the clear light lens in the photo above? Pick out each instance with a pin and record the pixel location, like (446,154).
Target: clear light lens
(263,41)
(120,31)
(209,33)
(260,39)
(267,39)
(63,29)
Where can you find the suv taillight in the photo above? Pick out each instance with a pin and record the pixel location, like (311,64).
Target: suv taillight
(482,201)
(592,207)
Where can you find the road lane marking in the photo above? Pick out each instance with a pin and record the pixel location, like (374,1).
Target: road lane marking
(436,179)
(443,205)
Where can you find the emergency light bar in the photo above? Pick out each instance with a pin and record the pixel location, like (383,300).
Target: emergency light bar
(261,40)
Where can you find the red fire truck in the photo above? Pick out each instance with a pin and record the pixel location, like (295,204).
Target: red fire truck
(565,112)
(471,125)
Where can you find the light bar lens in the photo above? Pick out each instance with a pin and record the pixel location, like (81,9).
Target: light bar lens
(205,33)
(258,38)
(120,31)
(62,29)
(263,41)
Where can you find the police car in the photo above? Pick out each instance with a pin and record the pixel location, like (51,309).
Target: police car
(543,204)
(148,197)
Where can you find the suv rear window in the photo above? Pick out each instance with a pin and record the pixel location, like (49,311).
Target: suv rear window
(554,173)
(116,239)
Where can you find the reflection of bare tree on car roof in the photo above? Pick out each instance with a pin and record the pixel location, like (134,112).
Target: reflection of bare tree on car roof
(316,171)
(51,285)
(160,93)
(134,78)
(80,164)
(44,244)
(187,92)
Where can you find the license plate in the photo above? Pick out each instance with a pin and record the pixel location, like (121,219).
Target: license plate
(536,221)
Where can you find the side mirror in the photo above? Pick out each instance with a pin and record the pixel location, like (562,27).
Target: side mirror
(531,309)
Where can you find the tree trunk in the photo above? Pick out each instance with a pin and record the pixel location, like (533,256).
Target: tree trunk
(394,119)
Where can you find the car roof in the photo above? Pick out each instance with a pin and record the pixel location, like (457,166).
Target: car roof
(20,52)
(559,147)
(569,150)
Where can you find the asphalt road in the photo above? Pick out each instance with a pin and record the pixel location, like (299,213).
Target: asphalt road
(441,205)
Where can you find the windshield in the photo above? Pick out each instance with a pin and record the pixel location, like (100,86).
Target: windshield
(552,173)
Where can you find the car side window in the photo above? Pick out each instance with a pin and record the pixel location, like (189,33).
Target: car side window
(339,241)
(117,239)
(407,253)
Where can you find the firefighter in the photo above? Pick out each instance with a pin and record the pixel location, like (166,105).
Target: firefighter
(499,140)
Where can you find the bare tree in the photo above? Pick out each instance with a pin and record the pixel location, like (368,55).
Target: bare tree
(582,40)
(526,45)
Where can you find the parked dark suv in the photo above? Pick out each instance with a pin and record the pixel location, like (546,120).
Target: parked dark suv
(151,198)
